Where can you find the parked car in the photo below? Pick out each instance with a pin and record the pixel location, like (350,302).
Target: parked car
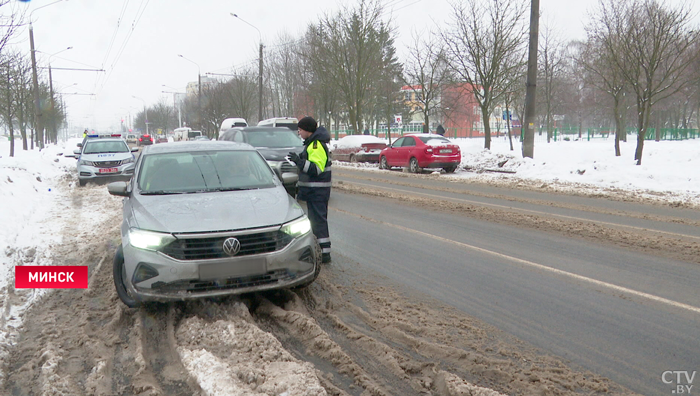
(201,138)
(131,139)
(145,140)
(417,151)
(161,139)
(104,159)
(207,219)
(274,143)
(358,148)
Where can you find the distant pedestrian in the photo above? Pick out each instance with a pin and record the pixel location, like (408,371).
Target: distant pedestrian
(366,131)
(85,133)
(440,130)
(315,179)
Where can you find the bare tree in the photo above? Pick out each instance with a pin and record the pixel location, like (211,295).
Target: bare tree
(648,43)
(551,53)
(214,109)
(426,72)
(349,50)
(486,47)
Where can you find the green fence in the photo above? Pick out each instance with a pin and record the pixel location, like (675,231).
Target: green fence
(573,133)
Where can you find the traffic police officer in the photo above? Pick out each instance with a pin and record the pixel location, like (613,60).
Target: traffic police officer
(315,179)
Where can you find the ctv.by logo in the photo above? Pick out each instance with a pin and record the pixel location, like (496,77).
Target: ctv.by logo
(683,381)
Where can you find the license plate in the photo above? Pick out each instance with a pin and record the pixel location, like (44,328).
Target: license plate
(108,170)
(242,267)
(445,151)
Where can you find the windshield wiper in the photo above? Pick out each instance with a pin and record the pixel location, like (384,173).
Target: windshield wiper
(227,189)
(161,192)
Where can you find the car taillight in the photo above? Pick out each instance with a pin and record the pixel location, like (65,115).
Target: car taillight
(140,139)
(366,149)
(429,150)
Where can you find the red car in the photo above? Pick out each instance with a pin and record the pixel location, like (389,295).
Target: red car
(358,148)
(162,139)
(145,140)
(417,151)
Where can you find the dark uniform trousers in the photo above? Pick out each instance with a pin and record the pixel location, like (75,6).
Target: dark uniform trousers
(318,214)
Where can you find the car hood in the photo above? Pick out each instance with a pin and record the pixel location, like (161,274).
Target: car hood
(278,154)
(215,211)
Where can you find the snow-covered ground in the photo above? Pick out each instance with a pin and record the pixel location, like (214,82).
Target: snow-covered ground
(35,194)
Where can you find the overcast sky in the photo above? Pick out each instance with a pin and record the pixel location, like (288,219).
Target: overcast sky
(137,42)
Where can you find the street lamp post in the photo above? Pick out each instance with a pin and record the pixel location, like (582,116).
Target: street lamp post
(260,67)
(37,108)
(176,103)
(199,90)
(145,111)
(54,135)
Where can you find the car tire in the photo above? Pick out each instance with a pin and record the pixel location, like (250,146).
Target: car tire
(119,273)
(450,169)
(82,183)
(413,166)
(383,164)
(353,158)
(317,262)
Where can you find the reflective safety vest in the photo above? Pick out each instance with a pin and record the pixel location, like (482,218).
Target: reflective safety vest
(315,172)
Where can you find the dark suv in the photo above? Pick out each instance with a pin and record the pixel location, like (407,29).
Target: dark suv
(145,140)
(274,143)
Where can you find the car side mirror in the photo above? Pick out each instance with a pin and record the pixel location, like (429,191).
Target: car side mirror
(69,155)
(79,145)
(119,188)
(76,152)
(289,178)
(134,149)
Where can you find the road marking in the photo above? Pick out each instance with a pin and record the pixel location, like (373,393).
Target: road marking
(534,265)
(461,200)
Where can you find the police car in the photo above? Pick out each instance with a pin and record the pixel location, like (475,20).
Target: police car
(105,159)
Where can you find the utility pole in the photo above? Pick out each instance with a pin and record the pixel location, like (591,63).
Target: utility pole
(54,137)
(531,84)
(38,127)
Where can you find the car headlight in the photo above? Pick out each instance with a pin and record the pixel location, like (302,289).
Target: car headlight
(297,227)
(148,240)
(85,162)
(128,161)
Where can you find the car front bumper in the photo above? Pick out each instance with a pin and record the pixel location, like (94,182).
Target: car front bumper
(90,173)
(176,279)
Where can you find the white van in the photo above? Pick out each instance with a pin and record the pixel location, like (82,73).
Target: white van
(230,123)
(289,122)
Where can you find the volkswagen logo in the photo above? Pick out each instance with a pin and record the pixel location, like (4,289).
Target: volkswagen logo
(232,246)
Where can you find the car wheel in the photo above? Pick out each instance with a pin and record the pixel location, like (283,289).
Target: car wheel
(119,274)
(82,182)
(383,164)
(353,159)
(413,166)
(450,169)
(317,263)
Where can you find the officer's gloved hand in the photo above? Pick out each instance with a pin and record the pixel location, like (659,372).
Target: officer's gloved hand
(294,157)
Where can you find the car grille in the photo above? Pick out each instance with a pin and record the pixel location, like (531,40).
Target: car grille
(212,248)
(289,168)
(197,286)
(107,164)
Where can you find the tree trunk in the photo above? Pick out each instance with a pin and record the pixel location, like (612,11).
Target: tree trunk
(487,129)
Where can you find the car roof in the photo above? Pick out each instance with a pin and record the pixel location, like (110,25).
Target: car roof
(199,145)
(431,135)
(263,129)
(110,139)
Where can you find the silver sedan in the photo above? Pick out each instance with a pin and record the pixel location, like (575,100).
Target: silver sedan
(205,219)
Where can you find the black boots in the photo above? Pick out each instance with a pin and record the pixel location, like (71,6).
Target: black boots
(326,257)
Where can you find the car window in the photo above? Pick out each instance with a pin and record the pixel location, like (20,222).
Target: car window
(434,140)
(274,139)
(208,171)
(399,142)
(96,146)
(409,141)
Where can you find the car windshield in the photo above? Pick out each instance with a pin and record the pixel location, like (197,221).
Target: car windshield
(199,171)
(96,146)
(274,139)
